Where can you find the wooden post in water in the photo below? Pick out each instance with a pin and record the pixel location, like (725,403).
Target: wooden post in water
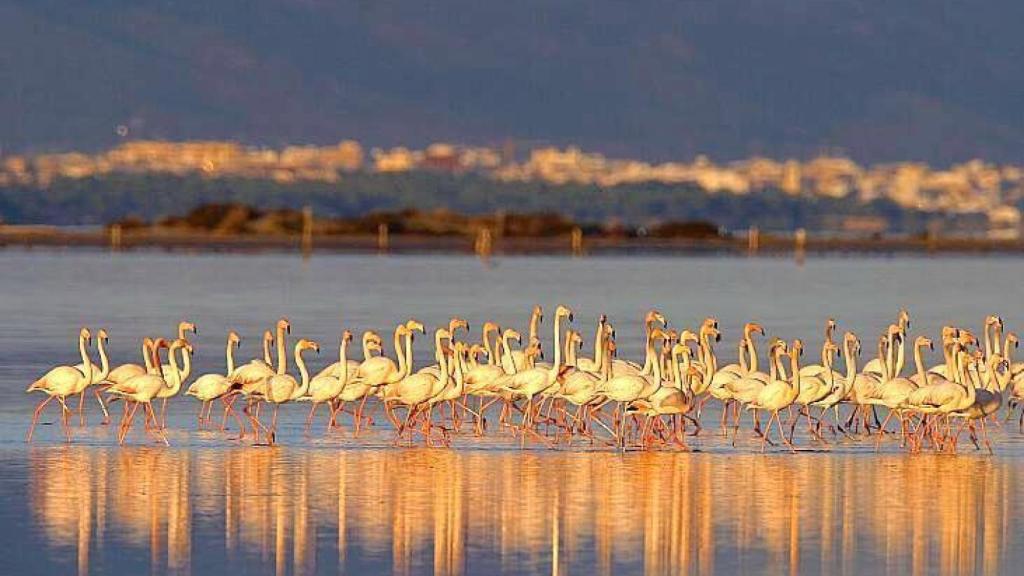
(932,234)
(307,230)
(115,237)
(800,245)
(382,238)
(483,244)
(577,241)
(753,239)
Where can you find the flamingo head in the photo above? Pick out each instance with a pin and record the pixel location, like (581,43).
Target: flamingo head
(923,341)
(455,323)
(1012,337)
(797,347)
(654,316)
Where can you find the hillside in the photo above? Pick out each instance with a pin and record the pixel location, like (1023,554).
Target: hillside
(922,79)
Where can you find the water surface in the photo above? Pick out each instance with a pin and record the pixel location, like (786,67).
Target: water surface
(327,505)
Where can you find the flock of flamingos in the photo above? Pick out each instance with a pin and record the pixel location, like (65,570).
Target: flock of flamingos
(601,399)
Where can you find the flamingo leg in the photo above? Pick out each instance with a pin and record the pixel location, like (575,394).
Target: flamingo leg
(309,419)
(229,408)
(81,409)
(65,418)
(127,422)
(103,407)
(35,417)
(273,426)
(163,414)
(768,431)
(157,430)
(984,436)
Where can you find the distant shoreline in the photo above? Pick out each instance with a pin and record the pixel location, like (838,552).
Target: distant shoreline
(44,236)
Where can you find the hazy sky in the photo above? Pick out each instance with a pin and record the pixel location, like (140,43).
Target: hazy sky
(919,79)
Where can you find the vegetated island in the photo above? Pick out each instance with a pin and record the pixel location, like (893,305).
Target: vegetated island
(240,227)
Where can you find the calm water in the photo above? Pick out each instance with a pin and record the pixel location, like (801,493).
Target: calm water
(334,505)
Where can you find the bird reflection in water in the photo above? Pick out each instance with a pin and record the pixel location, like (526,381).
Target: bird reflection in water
(450,512)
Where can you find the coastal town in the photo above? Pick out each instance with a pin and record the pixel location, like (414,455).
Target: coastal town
(972,187)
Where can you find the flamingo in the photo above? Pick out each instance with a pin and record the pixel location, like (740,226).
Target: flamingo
(99,375)
(209,387)
(371,343)
(414,390)
(141,390)
(530,382)
(779,394)
(283,387)
(519,356)
(175,379)
(61,382)
(326,386)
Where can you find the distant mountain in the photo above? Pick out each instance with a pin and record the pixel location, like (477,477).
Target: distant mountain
(935,80)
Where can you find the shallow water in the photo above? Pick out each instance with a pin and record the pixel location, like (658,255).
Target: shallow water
(335,505)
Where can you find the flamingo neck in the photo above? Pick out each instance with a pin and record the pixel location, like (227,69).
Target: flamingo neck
(649,359)
(658,371)
(710,361)
(677,377)
(86,362)
(492,358)
(366,346)
(399,353)
(147,354)
(947,354)
(851,365)
(752,351)
(229,356)
(900,359)
(890,349)
(266,352)
(282,356)
(599,348)
(534,320)
(882,359)
(919,365)
(173,359)
(104,360)
(186,360)
(742,355)
(506,351)
(556,366)
(304,385)
(794,363)
(408,355)
(442,359)
(343,360)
